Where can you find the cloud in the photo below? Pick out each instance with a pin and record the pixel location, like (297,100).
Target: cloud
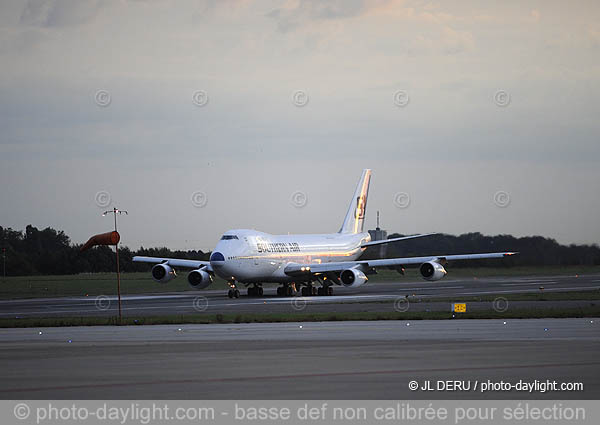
(59,13)
(446,41)
(594,36)
(303,12)
(455,41)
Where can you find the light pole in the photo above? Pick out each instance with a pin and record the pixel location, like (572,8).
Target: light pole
(116,211)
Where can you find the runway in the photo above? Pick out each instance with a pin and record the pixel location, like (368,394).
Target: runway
(370,297)
(327,360)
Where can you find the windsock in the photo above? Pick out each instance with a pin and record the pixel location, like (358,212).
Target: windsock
(110,238)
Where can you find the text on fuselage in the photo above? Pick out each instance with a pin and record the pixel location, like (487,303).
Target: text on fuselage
(277,247)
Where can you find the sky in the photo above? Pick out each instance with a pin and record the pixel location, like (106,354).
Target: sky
(202,116)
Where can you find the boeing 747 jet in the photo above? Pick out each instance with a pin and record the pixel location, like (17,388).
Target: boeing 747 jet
(311,264)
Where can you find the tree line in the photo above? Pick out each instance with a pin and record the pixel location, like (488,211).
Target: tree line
(532,250)
(50,252)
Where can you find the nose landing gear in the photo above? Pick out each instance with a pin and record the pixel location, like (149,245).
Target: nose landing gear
(233,291)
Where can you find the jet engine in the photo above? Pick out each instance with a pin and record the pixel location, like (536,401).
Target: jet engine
(199,279)
(432,271)
(163,273)
(352,278)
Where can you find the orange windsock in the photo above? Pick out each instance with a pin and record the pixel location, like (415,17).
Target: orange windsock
(110,238)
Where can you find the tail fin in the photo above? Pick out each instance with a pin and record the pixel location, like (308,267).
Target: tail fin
(355,217)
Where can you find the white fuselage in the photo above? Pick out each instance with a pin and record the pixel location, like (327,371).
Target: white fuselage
(250,256)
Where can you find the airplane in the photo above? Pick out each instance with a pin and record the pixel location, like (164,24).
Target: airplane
(310,264)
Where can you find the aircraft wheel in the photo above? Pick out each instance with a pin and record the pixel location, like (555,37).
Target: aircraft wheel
(279,291)
(236,293)
(320,291)
(230,293)
(251,292)
(289,291)
(313,290)
(260,291)
(329,290)
(304,291)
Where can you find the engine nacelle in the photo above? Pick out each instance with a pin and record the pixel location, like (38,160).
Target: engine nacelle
(351,278)
(162,273)
(432,271)
(199,279)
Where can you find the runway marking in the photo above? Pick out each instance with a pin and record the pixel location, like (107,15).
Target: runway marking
(309,300)
(296,376)
(90,299)
(430,288)
(257,301)
(550,282)
(523,281)
(527,291)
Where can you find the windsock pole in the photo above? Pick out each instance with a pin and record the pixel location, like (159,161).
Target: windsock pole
(118,271)
(111,238)
(118,280)
(116,211)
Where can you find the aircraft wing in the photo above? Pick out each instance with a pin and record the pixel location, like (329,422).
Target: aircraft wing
(299,269)
(174,262)
(396,239)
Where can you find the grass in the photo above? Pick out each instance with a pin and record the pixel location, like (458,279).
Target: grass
(538,313)
(91,285)
(591,295)
(476,272)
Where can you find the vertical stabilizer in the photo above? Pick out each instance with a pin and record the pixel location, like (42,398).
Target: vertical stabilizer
(355,217)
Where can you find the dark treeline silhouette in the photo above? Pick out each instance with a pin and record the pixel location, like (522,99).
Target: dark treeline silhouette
(50,252)
(533,250)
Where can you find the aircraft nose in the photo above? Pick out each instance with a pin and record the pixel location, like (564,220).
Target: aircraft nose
(217,259)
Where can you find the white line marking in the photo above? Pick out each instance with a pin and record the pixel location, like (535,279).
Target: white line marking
(526,291)
(550,282)
(309,300)
(430,288)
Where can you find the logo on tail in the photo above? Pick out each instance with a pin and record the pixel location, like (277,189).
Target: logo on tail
(354,220)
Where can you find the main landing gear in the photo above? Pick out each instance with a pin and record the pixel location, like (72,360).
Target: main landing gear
(286,290)
(325,290)
(255,291)
(310,290)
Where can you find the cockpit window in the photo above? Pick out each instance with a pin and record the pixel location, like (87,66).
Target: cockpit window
(227,237)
